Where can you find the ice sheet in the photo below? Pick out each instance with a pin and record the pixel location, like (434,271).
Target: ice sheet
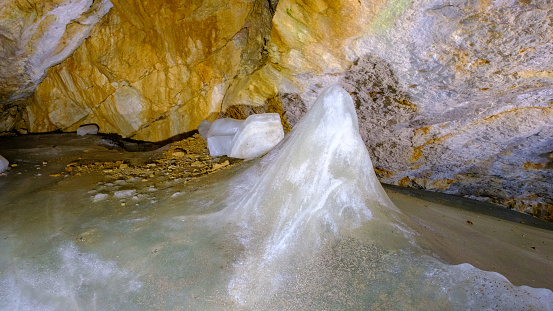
(308,226)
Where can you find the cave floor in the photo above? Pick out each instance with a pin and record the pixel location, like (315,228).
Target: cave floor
(67,196)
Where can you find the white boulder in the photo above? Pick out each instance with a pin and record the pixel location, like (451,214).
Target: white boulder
(4,164)
(88,129)
(258,135)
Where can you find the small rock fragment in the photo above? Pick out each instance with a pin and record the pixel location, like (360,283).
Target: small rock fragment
(88,129)
(4,164)
(124,193)
(217,166)
(100,197)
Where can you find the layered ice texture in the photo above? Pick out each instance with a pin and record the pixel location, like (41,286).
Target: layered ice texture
(256,136)
(307,227)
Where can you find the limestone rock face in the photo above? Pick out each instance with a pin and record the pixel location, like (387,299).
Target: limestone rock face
(34,35)
(455,96)
(152,70)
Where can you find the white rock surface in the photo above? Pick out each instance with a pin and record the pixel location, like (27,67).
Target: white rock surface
(89,129)
(204,128)
(4,164)
(219,145)
(258,135)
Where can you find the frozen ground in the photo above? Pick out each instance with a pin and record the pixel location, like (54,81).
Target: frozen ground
(103,240)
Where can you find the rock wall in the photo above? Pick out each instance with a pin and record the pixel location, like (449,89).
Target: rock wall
(153,70)
(35,35)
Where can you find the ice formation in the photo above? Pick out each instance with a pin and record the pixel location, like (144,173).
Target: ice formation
(313,203)
(241,139)
(256,136)
(224,127)
(4,164)
(219,145)
(88,129)
(203,129)
(220,135)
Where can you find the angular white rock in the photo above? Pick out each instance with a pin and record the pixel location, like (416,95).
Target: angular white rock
(4,164)
(224,127)
(258,135)
(88,129)
(203,129)
(219,145)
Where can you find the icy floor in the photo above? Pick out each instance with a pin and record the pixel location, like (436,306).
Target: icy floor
(306,227)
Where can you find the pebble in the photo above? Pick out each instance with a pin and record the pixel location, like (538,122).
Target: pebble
(100,197)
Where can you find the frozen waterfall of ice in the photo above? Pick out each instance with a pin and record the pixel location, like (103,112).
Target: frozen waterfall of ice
(256,136)
(4,164)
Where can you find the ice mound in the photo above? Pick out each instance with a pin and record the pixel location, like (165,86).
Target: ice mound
(318,230)
(256,136)
(4,164)
(318,183)
(88,129)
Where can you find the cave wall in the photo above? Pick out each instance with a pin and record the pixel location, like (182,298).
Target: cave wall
(152,70)
(35,35)
(453,96)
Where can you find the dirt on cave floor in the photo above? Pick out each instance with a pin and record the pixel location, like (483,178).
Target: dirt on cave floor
(453,229)
(62,155)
